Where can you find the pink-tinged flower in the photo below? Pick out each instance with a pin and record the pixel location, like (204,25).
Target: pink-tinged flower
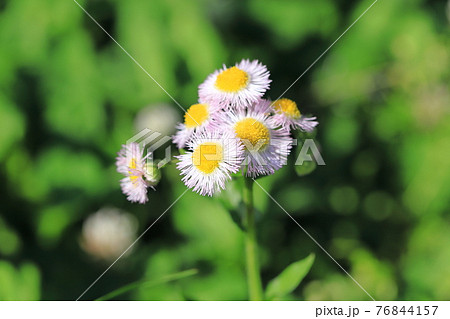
(132,163)
(198,117)
(212,158)
(236,87)
(288,116)
(266,145)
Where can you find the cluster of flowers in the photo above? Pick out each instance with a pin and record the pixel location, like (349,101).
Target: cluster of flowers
(232,128)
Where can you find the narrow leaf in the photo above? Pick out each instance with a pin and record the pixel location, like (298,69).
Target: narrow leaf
(148,283)
(289,279)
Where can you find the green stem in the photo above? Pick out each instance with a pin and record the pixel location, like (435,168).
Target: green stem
(251,245)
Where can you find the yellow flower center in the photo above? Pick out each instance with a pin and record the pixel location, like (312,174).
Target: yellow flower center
(253,131)
(207,157)
(196,115)
(286,106)
(232,80)
(132,166)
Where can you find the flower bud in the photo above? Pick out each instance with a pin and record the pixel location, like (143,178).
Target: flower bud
(152,174)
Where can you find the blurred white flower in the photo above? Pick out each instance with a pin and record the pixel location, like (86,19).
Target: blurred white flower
(108,233)
(160,118)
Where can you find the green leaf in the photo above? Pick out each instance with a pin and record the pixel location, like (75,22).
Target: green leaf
(289,279)
(148,283)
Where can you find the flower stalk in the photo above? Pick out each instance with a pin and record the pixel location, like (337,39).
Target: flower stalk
(255,290)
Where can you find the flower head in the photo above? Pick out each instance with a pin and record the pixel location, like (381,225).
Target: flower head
(236,87)
(213,156)
(197,117)
(131,163)
(288,116)
(266,145)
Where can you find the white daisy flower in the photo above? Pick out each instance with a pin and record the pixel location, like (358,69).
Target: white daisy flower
(212,158)
(288,116)
(236,87)
(131,163)
(266,146)
(197,117)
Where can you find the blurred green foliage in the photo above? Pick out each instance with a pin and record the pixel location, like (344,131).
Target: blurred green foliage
(69,97)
